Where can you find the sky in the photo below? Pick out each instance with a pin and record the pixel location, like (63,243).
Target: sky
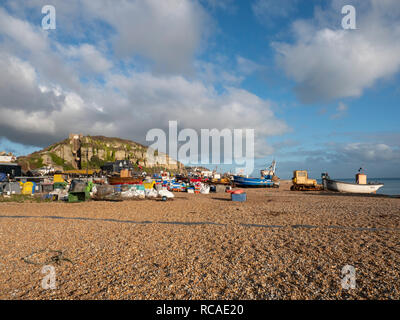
(319,97)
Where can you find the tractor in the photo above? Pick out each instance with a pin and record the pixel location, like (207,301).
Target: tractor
(302,183)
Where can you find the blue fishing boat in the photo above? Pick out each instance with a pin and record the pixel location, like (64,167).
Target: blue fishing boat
(267,179)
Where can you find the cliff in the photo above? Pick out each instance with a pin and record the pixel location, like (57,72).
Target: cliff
(94,152)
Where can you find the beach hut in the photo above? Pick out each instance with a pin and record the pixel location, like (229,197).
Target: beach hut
(28,188)
(10,188)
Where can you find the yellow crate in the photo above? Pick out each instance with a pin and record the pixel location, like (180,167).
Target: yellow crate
(58,178)
(149,185)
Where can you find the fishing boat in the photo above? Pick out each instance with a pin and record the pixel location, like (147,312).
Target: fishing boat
(124,180)
(267,179)
(360,186)
(177,186)
(222,181)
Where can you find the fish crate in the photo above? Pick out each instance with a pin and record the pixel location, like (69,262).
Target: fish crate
(78,196)
(242,197)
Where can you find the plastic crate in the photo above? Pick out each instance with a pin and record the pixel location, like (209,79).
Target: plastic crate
(239,197)
(78,196)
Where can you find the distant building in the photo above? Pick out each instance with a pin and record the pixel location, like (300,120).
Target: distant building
(117,166)
(7,157)
(12,169)
(206,173)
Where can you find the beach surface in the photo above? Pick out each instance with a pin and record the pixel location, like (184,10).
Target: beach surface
(277,245)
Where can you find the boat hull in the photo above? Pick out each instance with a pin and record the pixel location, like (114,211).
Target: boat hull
(253,182)
(347,187)
(124,180)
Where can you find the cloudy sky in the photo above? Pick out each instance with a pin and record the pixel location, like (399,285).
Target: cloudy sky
(319,97)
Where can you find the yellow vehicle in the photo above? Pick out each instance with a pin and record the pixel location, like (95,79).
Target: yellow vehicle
(302,183)
(224,181)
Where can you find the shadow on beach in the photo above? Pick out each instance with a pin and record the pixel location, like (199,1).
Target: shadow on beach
(340,194)
(222,199)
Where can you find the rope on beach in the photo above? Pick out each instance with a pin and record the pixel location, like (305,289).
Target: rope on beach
(56,258)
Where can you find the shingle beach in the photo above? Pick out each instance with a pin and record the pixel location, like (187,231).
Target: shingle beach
(277,245)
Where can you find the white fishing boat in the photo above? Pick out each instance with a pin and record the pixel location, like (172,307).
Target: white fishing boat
(360,186)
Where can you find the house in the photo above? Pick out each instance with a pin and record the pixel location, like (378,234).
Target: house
(117,166)
(7,157)
(12,169)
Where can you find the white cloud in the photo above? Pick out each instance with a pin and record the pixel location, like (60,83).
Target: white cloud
(330,63)
(19,89)
(225,5)
(22,32)
(167,33)
(29,42)
(90,59)
(341,107)
(247,66)
(341,111)
(367,152)
(227,72)
(127,104)
(218,73)
(268,10)
(342,160)
(130,105)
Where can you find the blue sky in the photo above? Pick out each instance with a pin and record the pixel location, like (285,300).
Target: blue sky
(319,97)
